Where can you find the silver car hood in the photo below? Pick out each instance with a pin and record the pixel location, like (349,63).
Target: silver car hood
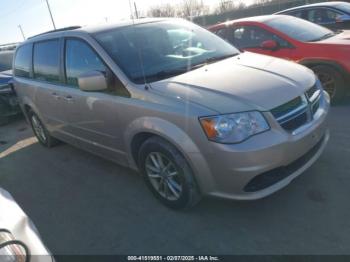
(245,82)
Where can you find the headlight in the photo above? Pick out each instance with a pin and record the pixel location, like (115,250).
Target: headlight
(234,128)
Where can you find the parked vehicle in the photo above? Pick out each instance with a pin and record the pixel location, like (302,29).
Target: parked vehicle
(176,102)
(6,58)
(19,238)
(9,106)
(327,53)
(334,15)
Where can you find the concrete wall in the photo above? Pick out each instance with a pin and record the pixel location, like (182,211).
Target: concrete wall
(250,11)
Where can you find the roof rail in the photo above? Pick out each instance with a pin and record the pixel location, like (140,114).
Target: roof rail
(57,30)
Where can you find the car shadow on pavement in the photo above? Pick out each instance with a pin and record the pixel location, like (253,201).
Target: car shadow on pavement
(16,132)
(83,204)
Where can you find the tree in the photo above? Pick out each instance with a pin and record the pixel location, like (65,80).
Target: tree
(225,6)
(193,8)
(165,10)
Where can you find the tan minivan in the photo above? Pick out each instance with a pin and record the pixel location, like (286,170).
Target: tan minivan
(168,98)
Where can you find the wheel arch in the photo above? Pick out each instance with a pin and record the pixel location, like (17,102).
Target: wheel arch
(27,106)
(310,63)
(142,129)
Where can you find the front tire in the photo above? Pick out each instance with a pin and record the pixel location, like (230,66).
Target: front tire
(167,174)
(333,82)
(40,131)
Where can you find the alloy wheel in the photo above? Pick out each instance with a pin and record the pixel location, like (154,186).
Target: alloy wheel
(329,83)
(164,176)
(38,129)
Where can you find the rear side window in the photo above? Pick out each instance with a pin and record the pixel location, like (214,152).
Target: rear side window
(46,61)
(298,13)
(80,59)
(23,61)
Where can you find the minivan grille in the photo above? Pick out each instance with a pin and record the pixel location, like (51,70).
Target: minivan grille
(298,111)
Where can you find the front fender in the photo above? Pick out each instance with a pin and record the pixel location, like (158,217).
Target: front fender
(176,136)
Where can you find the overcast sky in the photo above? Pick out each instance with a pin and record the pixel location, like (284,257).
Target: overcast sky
(34,18)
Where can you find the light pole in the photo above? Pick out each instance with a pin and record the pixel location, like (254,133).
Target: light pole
(48,7)
(20,28)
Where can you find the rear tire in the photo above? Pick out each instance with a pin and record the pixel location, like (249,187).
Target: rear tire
(40,131)
(333,82)
(167,174)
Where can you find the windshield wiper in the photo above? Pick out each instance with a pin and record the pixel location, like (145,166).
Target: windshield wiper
(213,60)
(169,73)
(161,75)
(218,58)
(323,37)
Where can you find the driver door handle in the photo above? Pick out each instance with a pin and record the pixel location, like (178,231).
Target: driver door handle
(55,95)
(68,98)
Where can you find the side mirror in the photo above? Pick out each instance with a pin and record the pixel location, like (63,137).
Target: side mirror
(342,18)
(269,45)
(92,81)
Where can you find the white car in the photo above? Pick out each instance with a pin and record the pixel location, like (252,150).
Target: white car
(19,238)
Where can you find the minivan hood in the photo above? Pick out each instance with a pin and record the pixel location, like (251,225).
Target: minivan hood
(245,82)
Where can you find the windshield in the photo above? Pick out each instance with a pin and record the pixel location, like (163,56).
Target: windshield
(154,51)
(344,7)
(300,29)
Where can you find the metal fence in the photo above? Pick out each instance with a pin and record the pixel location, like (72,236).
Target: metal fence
(261,9)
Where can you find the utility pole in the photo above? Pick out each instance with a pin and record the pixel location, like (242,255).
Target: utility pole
(48,7)
(20,28)
(136,12)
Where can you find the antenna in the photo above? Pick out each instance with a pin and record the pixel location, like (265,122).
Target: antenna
(20,28)
(139,52)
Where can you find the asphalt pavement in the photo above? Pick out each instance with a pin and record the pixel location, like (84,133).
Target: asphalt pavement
(83,204)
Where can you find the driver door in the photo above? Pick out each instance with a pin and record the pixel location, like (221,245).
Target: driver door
(94,118)
(250,38)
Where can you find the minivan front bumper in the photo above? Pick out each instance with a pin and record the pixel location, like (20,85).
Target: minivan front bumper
(267,162)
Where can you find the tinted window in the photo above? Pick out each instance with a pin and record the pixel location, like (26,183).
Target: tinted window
(222,33)
(155,51)
(253,37)
(298,13)
(322,16)
(299,29)
(46,61)
(80,58)
(23,61)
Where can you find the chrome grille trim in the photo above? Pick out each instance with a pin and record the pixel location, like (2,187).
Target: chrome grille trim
(295,112)
(293,119)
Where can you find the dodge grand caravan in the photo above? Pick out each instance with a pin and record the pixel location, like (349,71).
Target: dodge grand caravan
(168,98)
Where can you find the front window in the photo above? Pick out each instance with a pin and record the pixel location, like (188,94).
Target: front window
(153,51)
(299,29)
(80,59)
